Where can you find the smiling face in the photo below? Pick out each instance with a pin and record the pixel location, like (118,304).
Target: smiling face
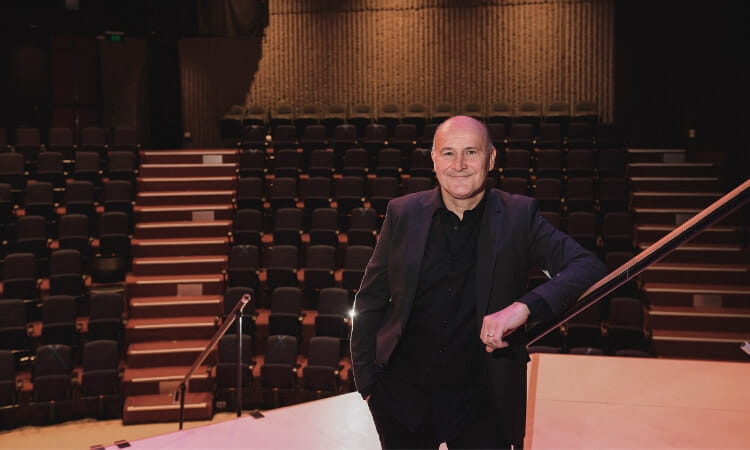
(462,156)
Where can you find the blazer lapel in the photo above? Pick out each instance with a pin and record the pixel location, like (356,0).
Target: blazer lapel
(489,236)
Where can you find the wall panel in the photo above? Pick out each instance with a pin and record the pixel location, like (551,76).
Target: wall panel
(429,51)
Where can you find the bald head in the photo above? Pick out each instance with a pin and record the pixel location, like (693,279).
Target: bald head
(462,124)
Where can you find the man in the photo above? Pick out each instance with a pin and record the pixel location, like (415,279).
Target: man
(444,288)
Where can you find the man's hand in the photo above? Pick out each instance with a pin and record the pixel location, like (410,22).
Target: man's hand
(496,326)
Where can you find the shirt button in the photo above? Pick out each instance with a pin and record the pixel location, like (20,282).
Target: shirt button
(455,227)
(450,291)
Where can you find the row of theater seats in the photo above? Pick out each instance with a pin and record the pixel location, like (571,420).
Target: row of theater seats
(389,161)
(615,326)
(30,141)
(407,137)
(391,114)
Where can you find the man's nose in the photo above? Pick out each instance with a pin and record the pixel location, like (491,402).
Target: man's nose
(459,162)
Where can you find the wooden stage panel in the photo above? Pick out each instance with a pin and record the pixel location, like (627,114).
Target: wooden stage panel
(579,401)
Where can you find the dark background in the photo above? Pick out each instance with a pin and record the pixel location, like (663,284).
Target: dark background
(678,66)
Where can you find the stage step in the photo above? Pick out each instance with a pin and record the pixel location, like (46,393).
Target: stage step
(676,184)
(187,170)
(689,273)
(164,380)
(171,285)
(166,353)
(163,408)
(672,200)
(186,184)
(183,306)
(678,216)
(721,235)
(656,155)
(705,253)
(174,198)
(179,265)
(196,213)
(182,229)
(723,346)
(176,328)
(143,248)
(189,156)
(733,320)
(701,295)
(661,169)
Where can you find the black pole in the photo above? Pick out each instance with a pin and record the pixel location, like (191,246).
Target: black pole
(240,363)
(182,403)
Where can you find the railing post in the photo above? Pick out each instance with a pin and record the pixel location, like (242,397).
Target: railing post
(240,363)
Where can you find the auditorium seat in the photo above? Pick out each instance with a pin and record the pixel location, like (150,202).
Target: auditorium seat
(324,227)
(316,192)
(242,266)
(279,369)
(319,265)
(287,227)
(247,227)
(105,317)
(286,313)
(101,376)
(282,266)
(322,373)
(355,261)
(333,313)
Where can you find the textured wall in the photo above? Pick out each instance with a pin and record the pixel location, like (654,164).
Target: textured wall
(124,85)
(429,51)
(214,74)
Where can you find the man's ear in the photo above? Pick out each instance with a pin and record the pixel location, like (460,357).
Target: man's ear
(493,156)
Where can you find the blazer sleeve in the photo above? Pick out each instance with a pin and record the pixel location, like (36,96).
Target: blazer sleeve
(571,267)
(370,304)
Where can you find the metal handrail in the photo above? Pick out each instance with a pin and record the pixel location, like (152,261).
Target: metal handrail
(688,230)
(230,318)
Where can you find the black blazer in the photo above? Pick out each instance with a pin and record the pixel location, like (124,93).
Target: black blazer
(513,238)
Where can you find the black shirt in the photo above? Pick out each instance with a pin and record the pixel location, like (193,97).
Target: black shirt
(437,372)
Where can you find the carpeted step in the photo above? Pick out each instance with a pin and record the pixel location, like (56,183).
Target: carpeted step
(163,380)
(720,235)
(182,229)
(662,169)
(695,273)
(190,156)
(734,320)
(174,198)
(700,344)
(656,155)
(171,285)
(197,213)
(186,170)
(689,200)
(705,253)
(175,328)
(143,248)
(678,216)
(179,265)
(201,183)
(183,306)
(141,409)
(166,353)
(676,184)
(711,295)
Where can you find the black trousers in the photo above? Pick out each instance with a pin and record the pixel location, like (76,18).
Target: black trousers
(482,433)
